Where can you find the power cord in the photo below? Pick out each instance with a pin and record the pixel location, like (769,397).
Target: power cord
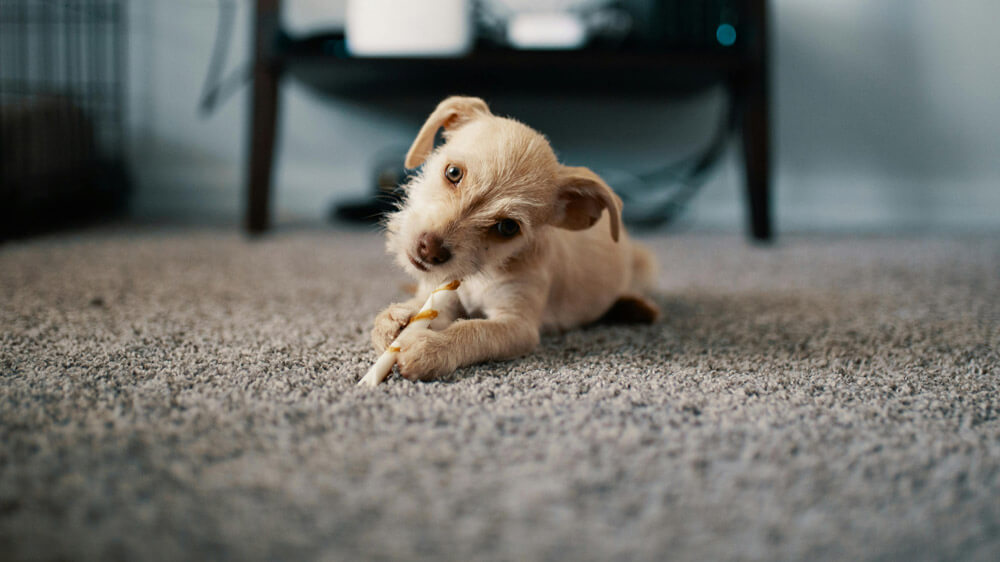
(217,90)
(659,197)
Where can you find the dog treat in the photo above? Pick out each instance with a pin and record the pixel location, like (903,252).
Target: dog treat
(434,306)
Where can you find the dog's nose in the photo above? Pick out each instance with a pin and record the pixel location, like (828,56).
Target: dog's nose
(431,249)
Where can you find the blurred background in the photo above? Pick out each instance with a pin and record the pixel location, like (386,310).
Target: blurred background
(883,115)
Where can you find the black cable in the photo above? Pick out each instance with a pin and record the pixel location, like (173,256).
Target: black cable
(647,212)
(217,90)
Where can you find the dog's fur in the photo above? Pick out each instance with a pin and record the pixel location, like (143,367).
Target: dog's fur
(569,264)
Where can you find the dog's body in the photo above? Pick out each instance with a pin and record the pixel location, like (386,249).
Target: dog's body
(526,235)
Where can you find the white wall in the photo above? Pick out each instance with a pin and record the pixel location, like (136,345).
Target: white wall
(886,118)
(888,113)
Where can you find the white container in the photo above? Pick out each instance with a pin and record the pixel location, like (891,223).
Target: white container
(409,28)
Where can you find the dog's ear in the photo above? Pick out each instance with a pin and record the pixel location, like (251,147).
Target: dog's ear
(451,113)
(581,199)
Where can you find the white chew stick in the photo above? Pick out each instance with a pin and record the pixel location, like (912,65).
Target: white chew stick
(420,321)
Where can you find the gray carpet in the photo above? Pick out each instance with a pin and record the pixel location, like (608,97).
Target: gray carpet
(188,394)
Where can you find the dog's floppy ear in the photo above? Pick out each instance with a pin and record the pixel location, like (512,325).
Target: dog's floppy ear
(451,113)
(581,199)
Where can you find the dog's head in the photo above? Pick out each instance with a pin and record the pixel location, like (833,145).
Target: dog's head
(487,193)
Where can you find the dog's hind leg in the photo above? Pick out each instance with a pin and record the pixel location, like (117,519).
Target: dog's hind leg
(644,270)
(631,309)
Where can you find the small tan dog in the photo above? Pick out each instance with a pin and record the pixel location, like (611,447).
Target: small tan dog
(527,236)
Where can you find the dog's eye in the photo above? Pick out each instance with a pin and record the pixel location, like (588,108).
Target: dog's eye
(453,173)
(507,228)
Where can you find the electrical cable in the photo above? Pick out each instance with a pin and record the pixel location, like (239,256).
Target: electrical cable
(653,206)
(217,90)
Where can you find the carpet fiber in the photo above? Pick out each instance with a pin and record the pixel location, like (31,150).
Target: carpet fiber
(189,394)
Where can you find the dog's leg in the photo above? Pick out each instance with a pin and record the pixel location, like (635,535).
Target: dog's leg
(428,355)
(391,321)
(631,309)
(644,269)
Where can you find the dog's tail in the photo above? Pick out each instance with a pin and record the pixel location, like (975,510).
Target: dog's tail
(644,269)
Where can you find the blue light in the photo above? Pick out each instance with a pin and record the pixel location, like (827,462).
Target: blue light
(725,34)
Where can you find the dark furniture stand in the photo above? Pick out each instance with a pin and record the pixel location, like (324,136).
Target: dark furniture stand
(323,62)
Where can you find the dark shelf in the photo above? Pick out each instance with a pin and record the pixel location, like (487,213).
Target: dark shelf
(324,63)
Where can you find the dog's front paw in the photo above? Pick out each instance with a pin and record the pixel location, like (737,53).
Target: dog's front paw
(389,323)
(424,355)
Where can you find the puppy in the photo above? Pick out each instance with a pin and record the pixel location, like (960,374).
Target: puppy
(537,245)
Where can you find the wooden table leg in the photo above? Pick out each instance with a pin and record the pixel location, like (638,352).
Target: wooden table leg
(263,117)
(757,157)
(754,96)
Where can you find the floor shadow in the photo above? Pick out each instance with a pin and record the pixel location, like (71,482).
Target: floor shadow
(778,328)
(791,326)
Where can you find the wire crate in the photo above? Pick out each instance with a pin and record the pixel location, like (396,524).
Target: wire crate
(62,111)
